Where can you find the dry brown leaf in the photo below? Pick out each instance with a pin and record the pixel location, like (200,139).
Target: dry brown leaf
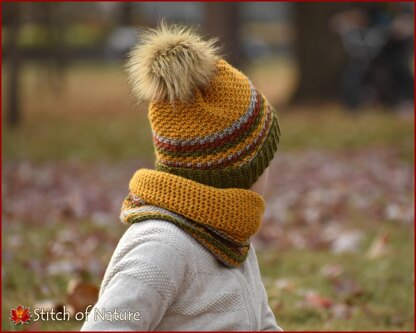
(379,247)
(347,287)
(284,284)
(81,294)
(341,311)
(332,270)
(313,299)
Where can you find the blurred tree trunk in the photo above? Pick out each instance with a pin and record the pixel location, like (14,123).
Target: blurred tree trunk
(13,112)
(126,13)
(319,52)
(223,20)
(52,18)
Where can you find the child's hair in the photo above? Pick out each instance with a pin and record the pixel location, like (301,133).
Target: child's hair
(209,122)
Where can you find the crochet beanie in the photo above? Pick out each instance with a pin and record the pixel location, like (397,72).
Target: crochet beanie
(209,123)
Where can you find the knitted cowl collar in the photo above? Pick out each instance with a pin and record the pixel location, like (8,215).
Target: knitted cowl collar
(222,220)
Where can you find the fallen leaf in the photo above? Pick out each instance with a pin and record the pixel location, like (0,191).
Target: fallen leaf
(332,270)
(341,311)
(315,300)
(81,294)
(284,284)
(276,306)
(347,287)
(379,247)
(348,241)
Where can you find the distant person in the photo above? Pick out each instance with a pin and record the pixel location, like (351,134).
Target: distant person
(392,70)
(378,41)
(186,262)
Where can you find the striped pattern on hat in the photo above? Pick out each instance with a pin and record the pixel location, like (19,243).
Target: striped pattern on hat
(225,135)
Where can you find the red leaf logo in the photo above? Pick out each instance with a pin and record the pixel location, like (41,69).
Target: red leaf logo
(20,315)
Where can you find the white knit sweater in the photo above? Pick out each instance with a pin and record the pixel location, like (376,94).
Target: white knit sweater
(176,284)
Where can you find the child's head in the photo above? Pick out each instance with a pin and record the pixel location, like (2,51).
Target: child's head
(209,122)
(260,185)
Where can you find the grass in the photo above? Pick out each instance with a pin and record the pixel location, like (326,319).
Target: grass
(127,135)
(19,287)
(386,281)
(95,118)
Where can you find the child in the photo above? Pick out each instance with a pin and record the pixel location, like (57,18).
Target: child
(186,262)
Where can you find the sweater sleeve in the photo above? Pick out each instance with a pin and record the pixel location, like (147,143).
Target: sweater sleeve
(268,320)
(141,282)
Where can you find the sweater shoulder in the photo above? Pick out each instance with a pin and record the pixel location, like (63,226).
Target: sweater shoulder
(172,238)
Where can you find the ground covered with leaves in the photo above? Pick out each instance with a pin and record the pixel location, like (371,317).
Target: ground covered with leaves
(335,248)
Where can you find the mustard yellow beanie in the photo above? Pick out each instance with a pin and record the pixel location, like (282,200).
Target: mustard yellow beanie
(209,122)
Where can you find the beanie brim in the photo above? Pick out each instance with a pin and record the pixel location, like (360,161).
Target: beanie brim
(243,176)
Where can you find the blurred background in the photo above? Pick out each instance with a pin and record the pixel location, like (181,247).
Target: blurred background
(336,245)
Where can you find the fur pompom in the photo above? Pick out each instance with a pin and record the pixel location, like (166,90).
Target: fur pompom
(169,63)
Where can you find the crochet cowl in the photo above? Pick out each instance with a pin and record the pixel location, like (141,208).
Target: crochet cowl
(222,220)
